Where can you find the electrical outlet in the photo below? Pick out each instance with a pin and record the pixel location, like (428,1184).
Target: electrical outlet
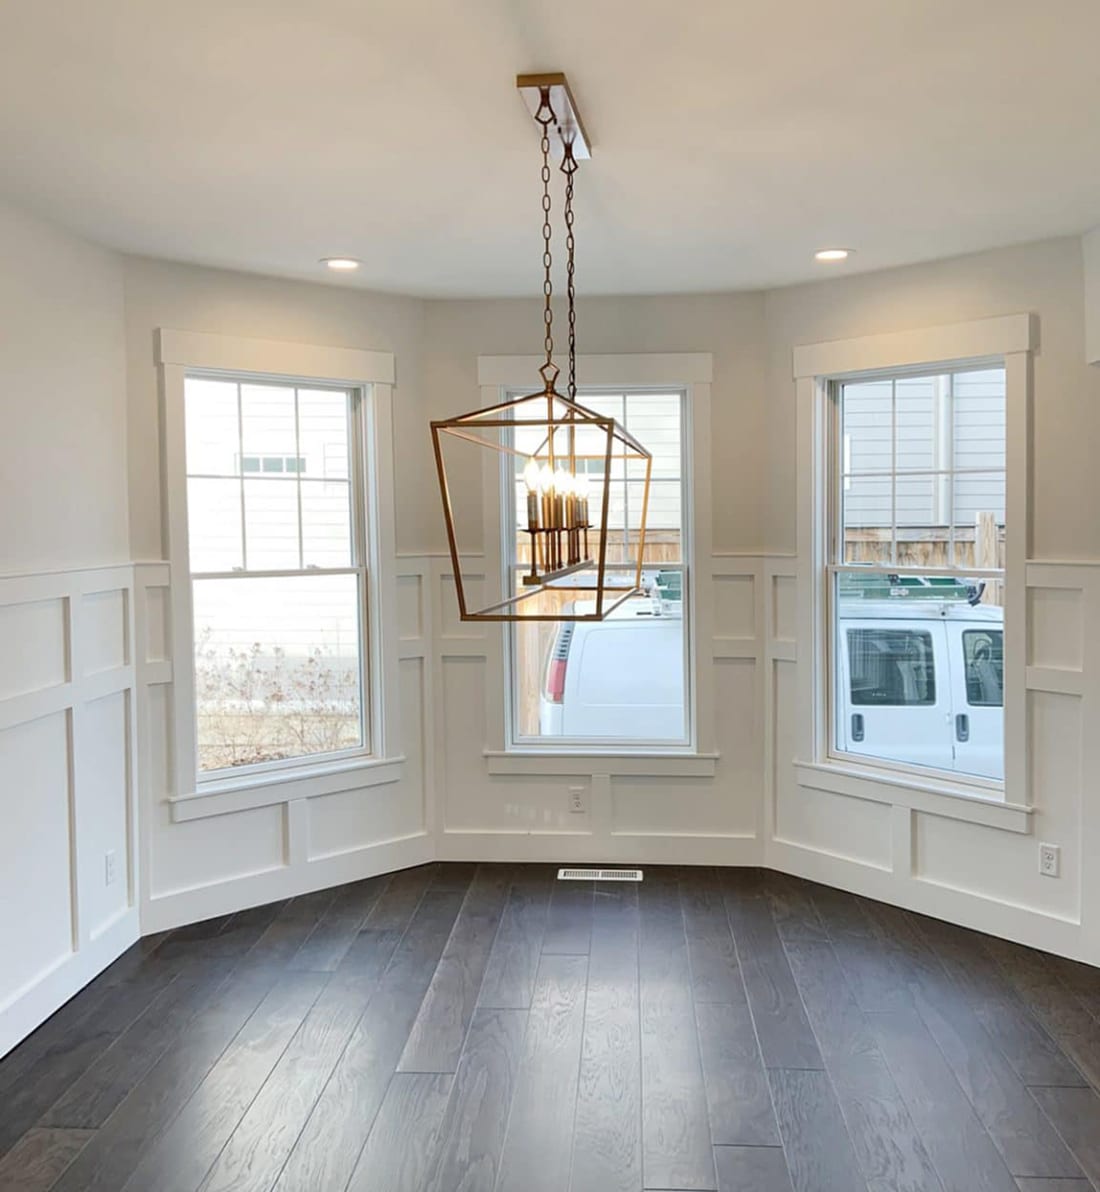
(576,800)
(1050,860)
(109,869)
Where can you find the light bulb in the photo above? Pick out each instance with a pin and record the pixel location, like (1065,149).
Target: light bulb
(531,474)
(546,479)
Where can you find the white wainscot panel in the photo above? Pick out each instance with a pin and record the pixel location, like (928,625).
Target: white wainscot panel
(414,742)
(1055,632)
(784,608)
(471,801)
(157,644)
(536,803)
(102,790)
(33,646)
(739,775)
(36,929)
(836,825)
(352,820)
(157,780)
(202,852)
(451,624)
(734,606)
(671,807)
(1004,866)
(104,631)
(410,607)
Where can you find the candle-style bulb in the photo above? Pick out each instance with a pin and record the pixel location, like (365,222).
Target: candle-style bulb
(531,475)
(546,479)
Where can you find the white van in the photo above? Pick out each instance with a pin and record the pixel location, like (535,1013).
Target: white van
(920,677)
(922,681)
(622,677)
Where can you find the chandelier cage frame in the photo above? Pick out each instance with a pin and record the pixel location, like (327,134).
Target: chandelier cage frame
(559,525)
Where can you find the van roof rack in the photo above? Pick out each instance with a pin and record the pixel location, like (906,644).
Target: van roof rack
(918,587)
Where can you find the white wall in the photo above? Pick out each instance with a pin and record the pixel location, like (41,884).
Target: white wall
(1092,296)
(66,715)
(62,400)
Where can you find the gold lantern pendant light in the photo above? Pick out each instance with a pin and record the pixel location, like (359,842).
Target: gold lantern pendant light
(566,530)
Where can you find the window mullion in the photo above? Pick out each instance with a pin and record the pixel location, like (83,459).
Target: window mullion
(240,456)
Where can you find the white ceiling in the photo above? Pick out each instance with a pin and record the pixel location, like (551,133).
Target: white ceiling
(731,137)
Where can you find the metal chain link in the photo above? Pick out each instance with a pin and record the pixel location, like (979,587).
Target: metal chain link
(545,117)
(569,169)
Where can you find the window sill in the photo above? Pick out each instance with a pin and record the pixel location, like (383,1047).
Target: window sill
(533,763)
(942,798)
(283,786)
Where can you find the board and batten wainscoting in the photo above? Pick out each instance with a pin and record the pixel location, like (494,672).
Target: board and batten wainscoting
(69,872)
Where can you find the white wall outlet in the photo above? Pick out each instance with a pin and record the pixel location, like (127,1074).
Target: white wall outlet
(110,870)
(1050,860)
(576,800)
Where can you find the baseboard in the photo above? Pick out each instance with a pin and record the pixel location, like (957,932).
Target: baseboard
(33,1004)
(178,907)
(589,848)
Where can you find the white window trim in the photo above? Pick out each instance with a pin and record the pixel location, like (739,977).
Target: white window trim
(691,372)
(1007,340)
(371,374)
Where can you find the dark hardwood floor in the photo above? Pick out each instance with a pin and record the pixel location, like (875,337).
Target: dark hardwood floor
(480,1028)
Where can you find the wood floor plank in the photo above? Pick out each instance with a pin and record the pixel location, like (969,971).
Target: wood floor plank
(254,1155)
(328,1146)
(74,1052)
(184,1153)
(109,1159)
(403,1142)
(739,1102)
(472,1134)
(569,920)
(291,928)
(715,974)
(752,1169)
(676,1144)
(793,909)
(439,1031)
(1075,1114)
(398,902)
(335,931)
(90,1100)
(963,1153)
(1058,1009)
(607,1135)
(538,1143)
(819,1152)
(1033,1054)
(786,1040)
(1055,1185)
(889,1149)
(39,1158)
(509,981)
(1022,1134)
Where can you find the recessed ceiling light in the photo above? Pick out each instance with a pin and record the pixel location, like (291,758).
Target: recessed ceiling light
(832,254)
(340,264)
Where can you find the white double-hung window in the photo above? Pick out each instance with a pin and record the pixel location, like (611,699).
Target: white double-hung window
(623,680)
(280,528)
(916,569)
(278,571)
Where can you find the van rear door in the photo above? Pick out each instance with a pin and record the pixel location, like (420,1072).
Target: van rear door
(895,691)
(977,679)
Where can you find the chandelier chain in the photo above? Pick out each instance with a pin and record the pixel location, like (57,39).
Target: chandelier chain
(569,169)
(545,118)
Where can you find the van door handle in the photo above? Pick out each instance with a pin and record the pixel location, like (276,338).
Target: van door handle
(962,727)
(857,726)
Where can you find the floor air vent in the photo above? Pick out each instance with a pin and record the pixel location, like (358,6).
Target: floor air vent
(599,875)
